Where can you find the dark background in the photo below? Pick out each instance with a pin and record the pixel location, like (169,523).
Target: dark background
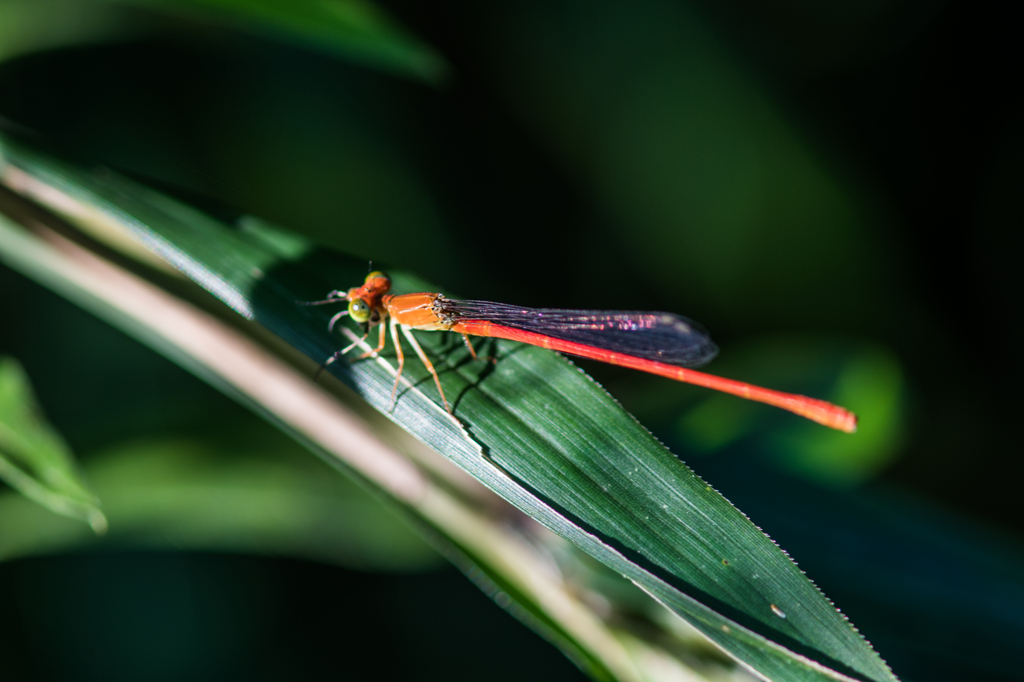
(825,186)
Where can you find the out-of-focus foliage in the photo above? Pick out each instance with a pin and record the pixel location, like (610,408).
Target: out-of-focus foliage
(244,496)
(34,459)
(355,29)
(28,26)
(867,377)
(831,188)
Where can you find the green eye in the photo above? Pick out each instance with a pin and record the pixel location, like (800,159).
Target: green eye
(374,275)
(359,310)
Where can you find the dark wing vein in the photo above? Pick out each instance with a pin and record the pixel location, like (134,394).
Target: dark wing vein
(664,337)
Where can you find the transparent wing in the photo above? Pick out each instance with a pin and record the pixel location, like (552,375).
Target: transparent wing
(664,337)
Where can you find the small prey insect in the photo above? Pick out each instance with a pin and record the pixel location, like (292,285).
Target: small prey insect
(665,344)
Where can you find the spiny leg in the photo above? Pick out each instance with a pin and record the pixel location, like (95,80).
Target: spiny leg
(401,362)
(380,346)
(469,345)
(346,349)
(429,365)
(333,297)
(334,320)
(472,351)
(338,354)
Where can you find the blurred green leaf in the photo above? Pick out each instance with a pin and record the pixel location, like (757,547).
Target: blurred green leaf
(866,378)
(532,428)
(188,494)
(870,379)
(34,459)
(35,25)
(352,28)
(676,139)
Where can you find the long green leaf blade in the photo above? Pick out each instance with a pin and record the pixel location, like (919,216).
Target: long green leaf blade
(532,428)
(352,28)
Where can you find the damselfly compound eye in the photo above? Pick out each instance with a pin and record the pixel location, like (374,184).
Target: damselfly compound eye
(359,310)
(375,275)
